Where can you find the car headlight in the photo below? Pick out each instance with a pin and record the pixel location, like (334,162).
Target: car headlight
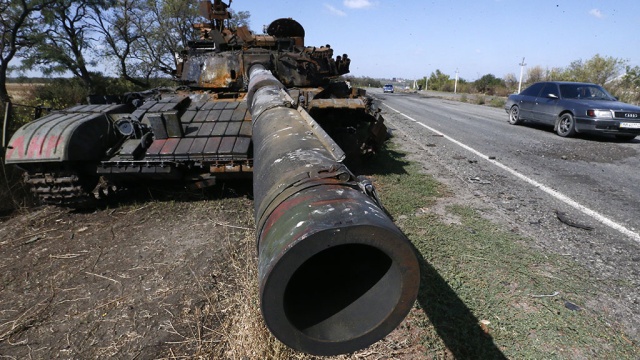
(600,114)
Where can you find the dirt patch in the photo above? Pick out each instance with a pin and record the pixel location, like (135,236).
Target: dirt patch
(117,282)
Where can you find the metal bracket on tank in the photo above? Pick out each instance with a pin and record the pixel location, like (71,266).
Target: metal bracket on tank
(336,152)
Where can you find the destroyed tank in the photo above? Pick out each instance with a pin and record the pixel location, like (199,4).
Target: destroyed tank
(199,132)
(335,273)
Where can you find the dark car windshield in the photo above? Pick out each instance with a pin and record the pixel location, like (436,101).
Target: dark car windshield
(585,92)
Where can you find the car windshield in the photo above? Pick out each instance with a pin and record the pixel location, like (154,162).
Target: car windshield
(585,92)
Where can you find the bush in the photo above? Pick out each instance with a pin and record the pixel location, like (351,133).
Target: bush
(497,102)
(364,82)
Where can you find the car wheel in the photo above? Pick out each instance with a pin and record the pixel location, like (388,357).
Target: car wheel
(566,125)
(514,115)
(625,137)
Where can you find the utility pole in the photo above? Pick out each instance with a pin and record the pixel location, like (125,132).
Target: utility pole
(455,85)
(522,65)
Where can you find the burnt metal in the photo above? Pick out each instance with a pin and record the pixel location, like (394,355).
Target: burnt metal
(202,130)
(336,274)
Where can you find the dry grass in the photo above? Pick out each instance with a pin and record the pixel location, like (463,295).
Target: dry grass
(231,326)
(14,195)
(243,333)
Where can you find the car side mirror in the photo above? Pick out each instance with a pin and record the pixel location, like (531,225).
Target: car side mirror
(553,96)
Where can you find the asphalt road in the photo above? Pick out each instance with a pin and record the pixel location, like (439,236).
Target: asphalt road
(526,174)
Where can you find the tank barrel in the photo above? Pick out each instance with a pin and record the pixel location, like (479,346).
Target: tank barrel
(335,273)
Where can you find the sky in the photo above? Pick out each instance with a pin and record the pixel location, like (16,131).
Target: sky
(411,39)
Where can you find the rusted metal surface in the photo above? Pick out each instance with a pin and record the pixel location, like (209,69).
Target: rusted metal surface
(80,133)
(351,104)
(336,274)
(217,71)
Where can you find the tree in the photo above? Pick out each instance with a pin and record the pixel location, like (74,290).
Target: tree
(488,83)
(629,85)
(510,81)
(143,37)
(67,42)
(174,20)
(555,74)
(535,74)
(17,32)
(240,18)
(632,78)
(599,70)
(438,81)
(120,28)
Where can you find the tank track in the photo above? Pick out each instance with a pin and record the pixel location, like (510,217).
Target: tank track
(67,189)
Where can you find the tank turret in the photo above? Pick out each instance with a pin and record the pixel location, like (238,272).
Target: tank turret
(220,58)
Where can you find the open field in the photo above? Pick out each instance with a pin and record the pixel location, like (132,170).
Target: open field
(21,92)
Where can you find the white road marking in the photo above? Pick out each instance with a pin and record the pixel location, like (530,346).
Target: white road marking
(565,199)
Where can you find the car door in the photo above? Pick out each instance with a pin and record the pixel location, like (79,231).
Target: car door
(527,99)
(545,108)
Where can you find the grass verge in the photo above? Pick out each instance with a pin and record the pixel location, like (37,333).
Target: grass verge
(484,292)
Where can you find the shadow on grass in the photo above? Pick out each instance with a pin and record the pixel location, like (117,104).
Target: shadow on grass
(387,161)
(458,328)
(170,191)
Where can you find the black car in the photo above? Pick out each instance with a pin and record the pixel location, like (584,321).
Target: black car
(574,107)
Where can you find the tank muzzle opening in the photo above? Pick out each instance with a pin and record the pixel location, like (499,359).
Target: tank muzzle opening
(342,293)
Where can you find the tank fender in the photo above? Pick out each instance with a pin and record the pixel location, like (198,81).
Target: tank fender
(82,133)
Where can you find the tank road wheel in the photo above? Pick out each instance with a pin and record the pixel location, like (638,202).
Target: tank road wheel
(514,115)
(566,125)
(68,188)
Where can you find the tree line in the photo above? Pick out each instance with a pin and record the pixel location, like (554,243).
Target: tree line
(613,73)
(137,39)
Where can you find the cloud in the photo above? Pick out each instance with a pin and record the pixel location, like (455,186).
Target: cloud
(335,11)
(596,12)
(357,4)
